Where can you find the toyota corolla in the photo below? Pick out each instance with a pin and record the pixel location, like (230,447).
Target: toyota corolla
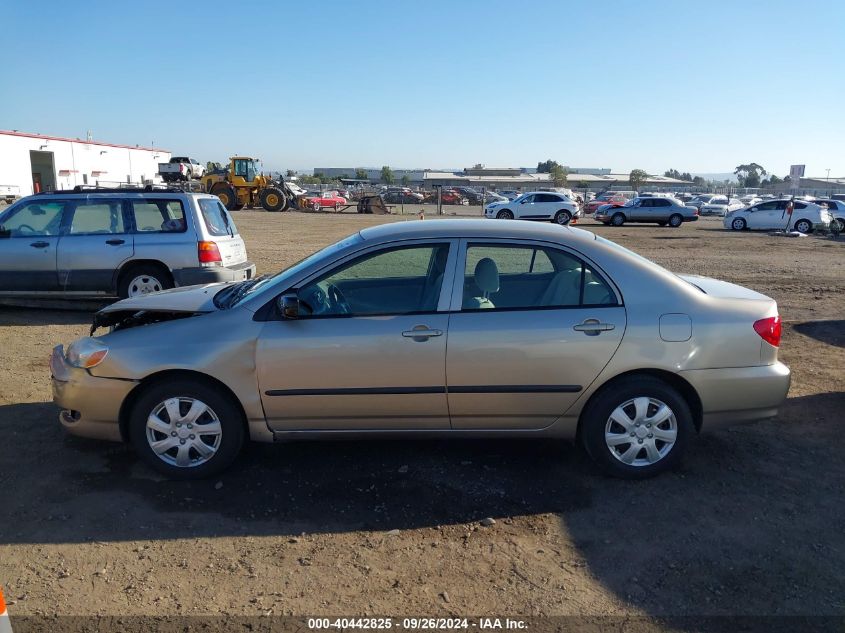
(457,328)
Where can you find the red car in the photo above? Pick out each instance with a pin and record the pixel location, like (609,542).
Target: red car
(317,200)
(450,196)
(603,199)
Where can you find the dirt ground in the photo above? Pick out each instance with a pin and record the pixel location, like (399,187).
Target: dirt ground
(753,523)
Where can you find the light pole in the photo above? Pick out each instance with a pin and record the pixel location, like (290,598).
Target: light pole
(829,192)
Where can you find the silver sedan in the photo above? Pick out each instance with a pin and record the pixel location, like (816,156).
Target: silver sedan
(415,329)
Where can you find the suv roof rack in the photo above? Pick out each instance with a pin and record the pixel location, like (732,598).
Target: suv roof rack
(144,189)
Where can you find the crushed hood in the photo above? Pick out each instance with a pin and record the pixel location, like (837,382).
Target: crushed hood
(186,299)
(724,289)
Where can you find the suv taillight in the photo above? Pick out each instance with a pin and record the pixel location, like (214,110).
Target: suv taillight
(769,330)
(208,253)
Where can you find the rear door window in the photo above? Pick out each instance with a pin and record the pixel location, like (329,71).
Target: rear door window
(215,217)
(158,216)
(97,217)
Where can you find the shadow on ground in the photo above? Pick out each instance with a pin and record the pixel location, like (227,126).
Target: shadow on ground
(830,332)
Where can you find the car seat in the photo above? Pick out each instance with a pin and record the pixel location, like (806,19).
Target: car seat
(486,277)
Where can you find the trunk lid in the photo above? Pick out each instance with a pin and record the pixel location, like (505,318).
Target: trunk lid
(723,289)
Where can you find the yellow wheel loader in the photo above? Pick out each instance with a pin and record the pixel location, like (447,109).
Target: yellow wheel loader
(243,185)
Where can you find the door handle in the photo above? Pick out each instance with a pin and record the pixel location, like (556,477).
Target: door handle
(421,333)
(115,242)
(40,244)
(593,327)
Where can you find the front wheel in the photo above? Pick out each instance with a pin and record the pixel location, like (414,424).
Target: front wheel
(186,429)
(563,217)
(636,427)
(618,219)
(803,226)
(504,214)
(738,224)
(675,220)
(316,206)
(273,199)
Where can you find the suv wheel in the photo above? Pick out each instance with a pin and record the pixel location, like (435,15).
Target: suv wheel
(563,217)
(504,214)
(143,279)
(636,427)
(186,429)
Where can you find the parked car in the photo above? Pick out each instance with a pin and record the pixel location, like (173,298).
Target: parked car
(491,196)
(773,215)
(473,196)
(836,208)
(500,329)
(510,194)
(660,211)
(609,197)
(450,196)
(720,205)
(181,168)
(118,242)
(402,196)
(701,199)
(318,200)
(535,205)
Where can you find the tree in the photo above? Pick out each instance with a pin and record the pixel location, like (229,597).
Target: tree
(698,181)
(749,175)
(387,175)
(309,180)
(672,173)
(406,180)
(637,178)
(686,176)
(361,174)
(772,181)
(290,173)
(559,175)
(546,166)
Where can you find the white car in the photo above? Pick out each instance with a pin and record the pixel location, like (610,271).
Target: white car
(535,205)
(749,199)
(772,215)
(721,206)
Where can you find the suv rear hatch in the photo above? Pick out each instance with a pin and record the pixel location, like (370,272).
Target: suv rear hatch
(220,228)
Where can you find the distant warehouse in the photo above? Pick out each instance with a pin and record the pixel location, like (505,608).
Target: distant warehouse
(30,163)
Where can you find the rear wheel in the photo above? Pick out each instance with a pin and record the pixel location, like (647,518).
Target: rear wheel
(803,226)
(636,427)
(504,214)
(143,279)
(186,429)
(227,194)
(618,219)
(273,199)
(563,217)
(675,220)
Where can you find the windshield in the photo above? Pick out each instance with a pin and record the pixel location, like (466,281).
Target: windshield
(233,294)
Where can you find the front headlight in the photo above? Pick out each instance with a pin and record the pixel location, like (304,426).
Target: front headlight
(86,353)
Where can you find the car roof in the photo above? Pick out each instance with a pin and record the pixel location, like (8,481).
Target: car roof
(473,228)
(114,193)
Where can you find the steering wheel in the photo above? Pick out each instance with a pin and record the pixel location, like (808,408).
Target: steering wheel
(337,299)
(27,227)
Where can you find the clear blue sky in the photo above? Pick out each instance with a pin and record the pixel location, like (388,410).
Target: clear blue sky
(696,86)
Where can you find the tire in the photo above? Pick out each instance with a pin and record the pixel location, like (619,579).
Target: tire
(676,220)
(618,219)
(563,217)
(221,415)
(316,206)
(738,224)
(227,194)
(273,199)
(505,214)
(142,279)
(803,226)
(624,400)
(239,206)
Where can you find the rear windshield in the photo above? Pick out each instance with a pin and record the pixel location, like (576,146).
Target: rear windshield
(217,220)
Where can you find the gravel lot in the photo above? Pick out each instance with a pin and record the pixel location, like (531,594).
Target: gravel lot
(753,524)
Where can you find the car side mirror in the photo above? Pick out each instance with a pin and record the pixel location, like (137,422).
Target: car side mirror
(289,306)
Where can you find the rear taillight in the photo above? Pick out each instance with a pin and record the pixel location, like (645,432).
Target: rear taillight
(209,253)
(769,330)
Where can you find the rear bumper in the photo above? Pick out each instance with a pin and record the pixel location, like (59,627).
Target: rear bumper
(215,274)
(739,394)
(90,405)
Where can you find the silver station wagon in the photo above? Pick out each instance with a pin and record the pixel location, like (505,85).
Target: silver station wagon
(120,242)
(445,327)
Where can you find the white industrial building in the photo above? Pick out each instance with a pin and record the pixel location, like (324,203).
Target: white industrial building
(34,162)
